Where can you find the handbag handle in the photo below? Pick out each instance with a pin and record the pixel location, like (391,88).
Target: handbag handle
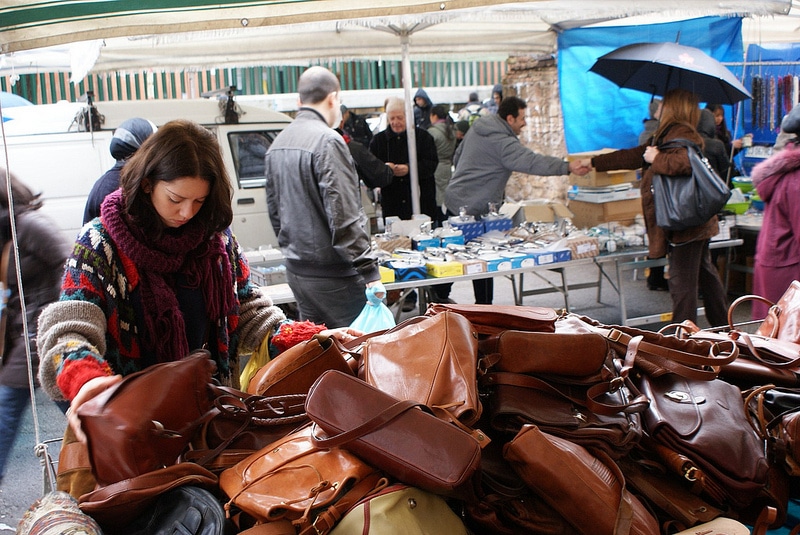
(378,421)
(690,365)
(773,313)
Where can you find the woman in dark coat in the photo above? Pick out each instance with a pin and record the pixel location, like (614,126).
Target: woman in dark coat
(690,265)
(42,253)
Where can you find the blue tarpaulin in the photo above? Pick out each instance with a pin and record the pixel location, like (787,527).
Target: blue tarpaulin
(597,113)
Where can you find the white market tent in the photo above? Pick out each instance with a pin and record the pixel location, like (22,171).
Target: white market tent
(82,36)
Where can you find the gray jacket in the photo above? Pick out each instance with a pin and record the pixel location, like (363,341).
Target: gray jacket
(315,203)
(484,162)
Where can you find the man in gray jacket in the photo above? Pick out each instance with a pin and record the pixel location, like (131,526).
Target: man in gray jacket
(484,161)
(315,208)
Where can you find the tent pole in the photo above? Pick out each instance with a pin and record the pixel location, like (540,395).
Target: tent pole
(411,133)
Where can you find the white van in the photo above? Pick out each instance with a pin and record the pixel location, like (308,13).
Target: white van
(50,149)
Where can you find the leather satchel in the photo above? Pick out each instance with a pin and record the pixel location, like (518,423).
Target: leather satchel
(296,369)
(566,384)
(429,360)
(706,437)
(565,474)
(393,435)
(144,422)
(494,319)
(295,484)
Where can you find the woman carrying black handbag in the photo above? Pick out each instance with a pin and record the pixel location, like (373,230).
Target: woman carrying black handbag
(690,266)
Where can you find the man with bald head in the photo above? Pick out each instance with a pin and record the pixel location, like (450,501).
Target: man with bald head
(315,208)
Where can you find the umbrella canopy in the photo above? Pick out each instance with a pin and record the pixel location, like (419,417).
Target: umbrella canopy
(10,100)
(658,67)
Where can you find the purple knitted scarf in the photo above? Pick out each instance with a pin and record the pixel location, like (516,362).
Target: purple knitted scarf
(203,262)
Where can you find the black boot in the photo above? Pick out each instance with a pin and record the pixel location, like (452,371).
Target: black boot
(656,281)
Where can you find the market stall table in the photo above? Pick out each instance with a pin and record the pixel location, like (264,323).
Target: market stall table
(622,260)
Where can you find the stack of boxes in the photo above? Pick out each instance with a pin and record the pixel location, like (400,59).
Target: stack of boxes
(601,197)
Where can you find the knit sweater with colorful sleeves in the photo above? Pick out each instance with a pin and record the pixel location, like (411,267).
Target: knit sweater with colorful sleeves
(93,330)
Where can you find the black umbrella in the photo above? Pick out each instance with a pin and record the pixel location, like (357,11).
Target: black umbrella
(658,67)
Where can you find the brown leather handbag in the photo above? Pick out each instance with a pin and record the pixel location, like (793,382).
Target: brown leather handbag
(494,319)
(147,420)
(296,484)
(430,360)
(565,474)
(296,369)
(566,384)
(393,435)
(704,425)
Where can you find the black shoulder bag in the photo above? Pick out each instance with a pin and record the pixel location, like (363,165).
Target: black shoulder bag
(684,202)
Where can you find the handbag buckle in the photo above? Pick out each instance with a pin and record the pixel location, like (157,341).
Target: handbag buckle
(690,473)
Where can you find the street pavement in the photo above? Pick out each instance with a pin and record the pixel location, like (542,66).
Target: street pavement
(23,482)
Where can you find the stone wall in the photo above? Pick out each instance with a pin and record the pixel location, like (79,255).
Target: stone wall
(535,80)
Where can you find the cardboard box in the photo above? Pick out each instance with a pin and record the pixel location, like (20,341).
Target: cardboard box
(596,179)
(584,247)
(444,269)
(519,259)
(605,196)
(407,271)
(422,243)
(502,224)
(588,214)
(496,263)
(544,212)
(551,257)
(387,274)
(470,230)
(473,266)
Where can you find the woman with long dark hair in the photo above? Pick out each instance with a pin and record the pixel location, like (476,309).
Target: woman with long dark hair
(690,266)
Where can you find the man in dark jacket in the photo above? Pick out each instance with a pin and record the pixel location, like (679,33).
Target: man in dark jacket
(315,208)
(356,126)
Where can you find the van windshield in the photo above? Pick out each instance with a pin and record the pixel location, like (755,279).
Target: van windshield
(248,149)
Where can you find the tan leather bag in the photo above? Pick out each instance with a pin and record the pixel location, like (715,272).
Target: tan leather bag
(296,369)
(430,360)
(293,481)
(564,474)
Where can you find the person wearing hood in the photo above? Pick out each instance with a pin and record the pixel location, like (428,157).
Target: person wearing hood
(777,181)
(42,252)
(484,161)
(128,137)
(713,149)
(422,109)
(491,105)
